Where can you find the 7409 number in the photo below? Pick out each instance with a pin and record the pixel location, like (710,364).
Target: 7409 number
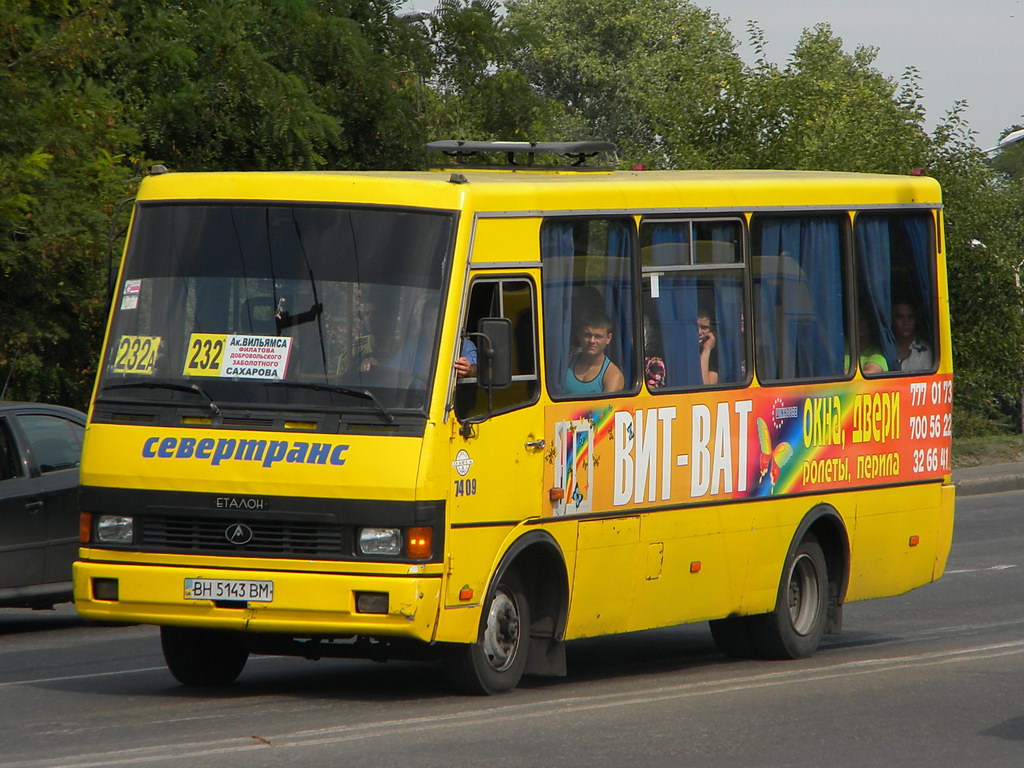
(465,487)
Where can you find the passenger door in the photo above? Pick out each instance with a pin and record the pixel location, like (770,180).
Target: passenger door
(22,520)
(55,447)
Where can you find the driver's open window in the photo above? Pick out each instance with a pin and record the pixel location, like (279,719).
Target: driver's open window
(513,299)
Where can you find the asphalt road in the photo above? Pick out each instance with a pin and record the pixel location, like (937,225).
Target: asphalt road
(931,678)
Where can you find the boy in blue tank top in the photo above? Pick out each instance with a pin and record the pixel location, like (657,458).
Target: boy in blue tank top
(590,371)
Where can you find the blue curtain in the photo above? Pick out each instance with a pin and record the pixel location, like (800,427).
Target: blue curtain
(618,296)
(728,338)
(556,243)
(916,229)
(799,291)
(728,308)
(675,309)
(874,270)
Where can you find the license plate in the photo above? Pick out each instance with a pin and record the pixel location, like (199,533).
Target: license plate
(229,589)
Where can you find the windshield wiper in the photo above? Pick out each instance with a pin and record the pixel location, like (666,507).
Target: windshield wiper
(365,393)
(194,388)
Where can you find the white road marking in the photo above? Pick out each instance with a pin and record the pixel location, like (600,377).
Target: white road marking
(1005,567)
(475,717)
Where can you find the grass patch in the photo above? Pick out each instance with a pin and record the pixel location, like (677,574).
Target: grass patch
(990,449)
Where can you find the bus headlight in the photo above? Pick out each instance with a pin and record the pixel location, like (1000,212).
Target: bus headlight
(380,541)
(114,529)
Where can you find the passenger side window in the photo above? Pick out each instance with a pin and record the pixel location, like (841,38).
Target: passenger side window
(512,299)
(10,461)
(800,297)
(896,301)
(56,443)
(588,306)
(694,331)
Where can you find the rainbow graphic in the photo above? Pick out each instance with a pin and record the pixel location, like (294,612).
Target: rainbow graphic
(576,440)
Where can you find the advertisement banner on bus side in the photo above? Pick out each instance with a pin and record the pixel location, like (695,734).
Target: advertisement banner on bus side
(722,445)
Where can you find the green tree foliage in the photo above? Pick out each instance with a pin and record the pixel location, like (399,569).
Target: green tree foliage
(63,168)
(475,90)
(985,250)
(269,84)
(654,76)
(827,110)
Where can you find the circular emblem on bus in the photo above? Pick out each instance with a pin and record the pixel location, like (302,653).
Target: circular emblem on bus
(462,463)
(238,533)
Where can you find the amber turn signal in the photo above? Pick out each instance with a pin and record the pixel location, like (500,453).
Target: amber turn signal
(418,542)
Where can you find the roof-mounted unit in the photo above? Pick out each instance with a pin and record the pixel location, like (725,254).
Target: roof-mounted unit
(524,154)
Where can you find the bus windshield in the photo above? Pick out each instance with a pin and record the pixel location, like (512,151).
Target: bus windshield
(279,304)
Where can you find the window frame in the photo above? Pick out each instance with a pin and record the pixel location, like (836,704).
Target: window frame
(847,282)
(632,382)
(498,279)
(928,216)
(710,269)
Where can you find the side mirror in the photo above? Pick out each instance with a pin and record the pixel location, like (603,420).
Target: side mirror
(494,357)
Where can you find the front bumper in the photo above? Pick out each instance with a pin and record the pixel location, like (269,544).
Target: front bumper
(304,603)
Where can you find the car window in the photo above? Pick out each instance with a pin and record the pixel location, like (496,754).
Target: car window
(56,442)
(10,466)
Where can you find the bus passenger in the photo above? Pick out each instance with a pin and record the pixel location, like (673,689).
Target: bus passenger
(655,373)
(706,340)
(590,371)
(914,353)
(872,360)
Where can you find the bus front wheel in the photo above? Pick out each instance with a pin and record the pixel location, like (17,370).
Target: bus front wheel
(203,657)
(732,636)
(495,663)
(795,628)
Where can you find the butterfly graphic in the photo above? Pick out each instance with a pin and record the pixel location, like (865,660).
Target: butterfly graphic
(772,459)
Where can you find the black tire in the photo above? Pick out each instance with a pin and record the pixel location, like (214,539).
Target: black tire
(795,628)
(495,663)
(732,636)
(204,657)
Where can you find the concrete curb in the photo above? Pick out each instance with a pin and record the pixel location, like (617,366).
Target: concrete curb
(996,478)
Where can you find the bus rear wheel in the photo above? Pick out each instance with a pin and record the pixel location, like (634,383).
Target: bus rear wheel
(203,657)
(795,628)
(495,663)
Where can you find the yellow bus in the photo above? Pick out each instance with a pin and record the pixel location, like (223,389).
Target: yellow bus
(473,413)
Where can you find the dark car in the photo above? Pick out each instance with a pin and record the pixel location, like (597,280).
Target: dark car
(40,448)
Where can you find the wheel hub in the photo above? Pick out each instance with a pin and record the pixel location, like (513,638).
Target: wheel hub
(501,637)
(803,595)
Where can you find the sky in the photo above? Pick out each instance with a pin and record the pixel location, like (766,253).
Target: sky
(969,50)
